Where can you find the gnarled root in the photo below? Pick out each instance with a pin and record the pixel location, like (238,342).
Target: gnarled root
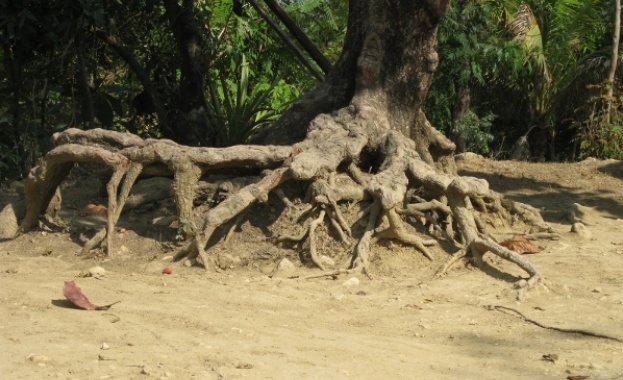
(129,156)
(332,160)
(397,231)
(229,208)
(360,258)
(480,246)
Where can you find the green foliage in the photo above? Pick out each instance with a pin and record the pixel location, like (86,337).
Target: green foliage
(555,38)
(601,137)
(238,109)
(42,81)
(600,132)
(527,61)
(476,132)
(474,58)
(250,76)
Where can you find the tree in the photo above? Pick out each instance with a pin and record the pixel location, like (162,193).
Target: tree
(616,35)
(360,136)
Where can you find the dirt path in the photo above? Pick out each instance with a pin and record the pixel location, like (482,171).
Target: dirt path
(402,324)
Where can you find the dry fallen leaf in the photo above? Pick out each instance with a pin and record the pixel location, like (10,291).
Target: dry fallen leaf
(72,292)
(521,245)
(93,209)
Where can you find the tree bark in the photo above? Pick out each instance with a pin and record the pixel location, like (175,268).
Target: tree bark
(616,35)
(458,113)
(192,126)
(88,113)
(401,57)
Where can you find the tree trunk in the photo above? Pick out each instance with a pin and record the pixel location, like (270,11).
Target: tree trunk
(88,113)
(192,126)
(458,113)
(396,48)
(616,35)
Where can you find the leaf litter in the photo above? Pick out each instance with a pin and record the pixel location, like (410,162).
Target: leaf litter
(72,292)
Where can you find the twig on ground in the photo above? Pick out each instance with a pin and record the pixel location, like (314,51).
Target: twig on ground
(572,331)
(334,274)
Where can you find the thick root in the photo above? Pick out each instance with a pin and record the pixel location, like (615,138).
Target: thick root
(360,258)
(397,231)
(459,210)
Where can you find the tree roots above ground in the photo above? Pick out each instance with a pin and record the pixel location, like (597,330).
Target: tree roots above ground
(367,141)
(345,158)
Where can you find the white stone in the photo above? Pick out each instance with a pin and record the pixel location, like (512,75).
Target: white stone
(9,225)
(97,272)
(581,230)
(327,261)
(285,268)
(353,281)
(38,358)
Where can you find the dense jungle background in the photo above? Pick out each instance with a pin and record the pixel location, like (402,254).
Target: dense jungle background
(510,71)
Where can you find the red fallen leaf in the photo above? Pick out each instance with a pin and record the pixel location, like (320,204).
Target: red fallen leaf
(577,377)
(521,245)
(72,292)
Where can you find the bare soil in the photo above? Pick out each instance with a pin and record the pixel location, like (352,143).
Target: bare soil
(247,321)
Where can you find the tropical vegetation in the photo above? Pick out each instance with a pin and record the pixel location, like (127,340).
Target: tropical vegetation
(214,73)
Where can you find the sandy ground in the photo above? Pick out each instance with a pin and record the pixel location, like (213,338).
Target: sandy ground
(401,324)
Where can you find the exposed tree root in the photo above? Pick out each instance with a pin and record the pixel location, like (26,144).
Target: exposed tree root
(360,258)
(129,156)
(454,208)
(397,231)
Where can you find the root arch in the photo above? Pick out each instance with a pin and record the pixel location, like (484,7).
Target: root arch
(457,209)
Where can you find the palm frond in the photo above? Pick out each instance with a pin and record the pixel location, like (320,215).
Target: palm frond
(524,28)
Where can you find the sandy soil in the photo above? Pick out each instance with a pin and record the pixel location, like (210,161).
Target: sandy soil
(242,323)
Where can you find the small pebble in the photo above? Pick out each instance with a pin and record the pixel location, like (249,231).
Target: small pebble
(353,281)
(189,263)
(38,358)
(97,272)
(595,366)
(339,297)
(285,268)
(145,370)
(581,230)
(327,261)
(104,346)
